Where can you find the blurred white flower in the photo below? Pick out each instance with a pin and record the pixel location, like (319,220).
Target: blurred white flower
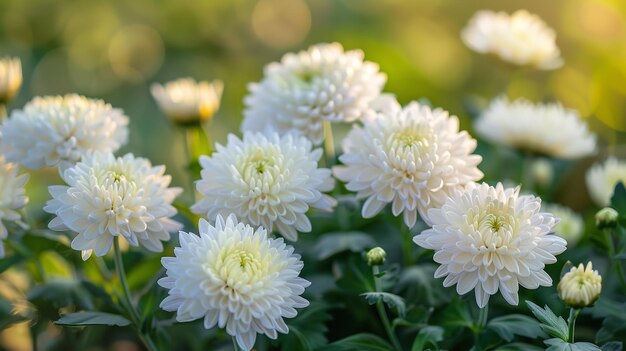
(307,88)
(187,101)
(10,78)
(542,172)
(521,38)
(12,197)
(602,179)
(60,130)
(108,197)
(548,129)
(581,286)
(234,277)
(491,238)
(570,226)
(409,157)
(265,180)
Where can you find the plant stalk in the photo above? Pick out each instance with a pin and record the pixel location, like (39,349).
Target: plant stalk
(608,236)
(380,307)
(571,322)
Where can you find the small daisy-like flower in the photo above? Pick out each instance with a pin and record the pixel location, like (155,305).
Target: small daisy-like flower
(602,179)
(491,238)
(581,286)
(106,197)
(524,125)
(521,38)
(570,226)
(235,277)
(323,83)
(265,180)
(186,101)
(10,78)
(12,197)
(60,130)
(409,157)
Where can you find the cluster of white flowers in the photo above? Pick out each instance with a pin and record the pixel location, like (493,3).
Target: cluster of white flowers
(265,180)
(12,197)
(60,130)
(602,179)
(491,238)
(235,277)
(107,197)
(323,83)
(522,124)
(521,38)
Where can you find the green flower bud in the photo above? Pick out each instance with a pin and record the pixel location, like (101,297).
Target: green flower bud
(606,218)
(376,256)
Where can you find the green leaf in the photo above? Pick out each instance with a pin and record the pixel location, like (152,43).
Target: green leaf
(515,324)
(417,284)
(307,330)
(55,266)
(613,346)
(10,261)
(8,317)
(391,300)
(519,346)
(92,318)
(618,200)
(614,320)
(61,293)
(361,342)
(560,345)
(428,337)
(331,244)
(550,323)
(457,315)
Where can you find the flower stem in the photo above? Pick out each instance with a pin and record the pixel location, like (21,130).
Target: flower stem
(329,144)
(616,263)
(483,316)
(380,307)
(128,302)
(527,173)
(571,322)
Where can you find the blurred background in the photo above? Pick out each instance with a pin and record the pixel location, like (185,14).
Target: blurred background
(116,49)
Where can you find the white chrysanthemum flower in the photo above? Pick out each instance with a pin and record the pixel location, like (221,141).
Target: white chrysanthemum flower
(521,38)
(10,78)
(12,197)
(491,238)
(234,277)
(60,130)
(323,83)
(265,180)
(580,287)
(409,157)
(106,197)
(570,226)
(602,179)
(548,129)
(187,101)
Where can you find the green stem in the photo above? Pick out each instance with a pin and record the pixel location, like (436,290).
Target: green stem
(329,144)
(483,316)
(527,173)
(616,263)
(132,311)
(380,307)
(571,322)
(407,243)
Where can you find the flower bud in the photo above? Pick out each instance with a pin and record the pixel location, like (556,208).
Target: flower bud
(186,101)
(542,172)
(376,256)
(10,78)
(580,287)
(606,218)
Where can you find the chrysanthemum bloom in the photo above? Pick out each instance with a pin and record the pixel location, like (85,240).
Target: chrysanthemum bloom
(602,179)
(106,197)
(409,157)
(235,277)
(186,101)
(570,226)
(323,83)
(60,130)
(491,238)
(581,286)
(521,38)
(12,197)
(524,125)
(10,78)
(265,180)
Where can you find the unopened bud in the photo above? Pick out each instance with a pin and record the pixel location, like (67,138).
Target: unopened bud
(580,287)
(606,218)
(376,256)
